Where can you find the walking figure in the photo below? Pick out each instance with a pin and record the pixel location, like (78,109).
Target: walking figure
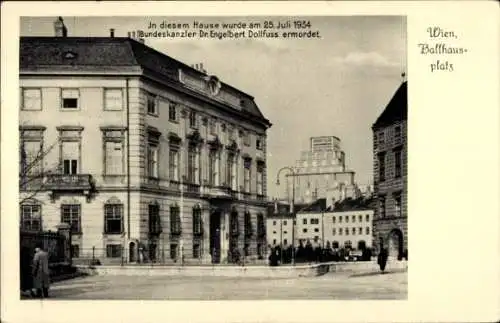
(41,275)
(382,259)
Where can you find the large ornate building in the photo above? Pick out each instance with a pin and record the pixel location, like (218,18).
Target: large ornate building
(321,173)
(390,174)
(145,157)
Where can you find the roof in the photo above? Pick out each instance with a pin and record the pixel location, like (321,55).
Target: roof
(314,207)
(396,110)
(350,204)
(112,54)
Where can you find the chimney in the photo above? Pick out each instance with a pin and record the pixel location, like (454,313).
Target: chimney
(112,32)
(59,28)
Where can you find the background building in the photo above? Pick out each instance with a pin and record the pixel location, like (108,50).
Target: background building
(145,157)
(390,174)
(279,225)
(350,224)
(321,173)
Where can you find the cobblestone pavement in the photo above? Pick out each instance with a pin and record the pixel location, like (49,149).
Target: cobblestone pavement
(392,285)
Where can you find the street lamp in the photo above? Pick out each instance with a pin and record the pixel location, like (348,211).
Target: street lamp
(292,210)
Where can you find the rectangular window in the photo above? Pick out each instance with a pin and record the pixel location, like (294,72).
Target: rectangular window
(230,178)
(113,251)
(75,251)
(260,179)
(333,219)
(381,167)
(274,241)
(397,163)
(193,119)
(154,219)
(71,215)
(175,220)
(213,168)
(192,165)
(367,217)
(334,231)
(113,99)
(397,205)
(152,104)
(31,159)
(173,165)
(70,157)
(31,99)
(172,111)
(197,223)
(367,230)
(31,218)
(340,231)
(213,127)
(360,230)
(346,219)
(397,132)
(346,231)
(340,219)
(353,218)
(259,143)
(304,221)
(248,224)
(113,218)
(381,138)
(284,222)
(246,175)
(274,222)
(114,158)
(152,161)
(246,139)
(381,205)
(70,98)
(360,218)
(173,251)
(285,242)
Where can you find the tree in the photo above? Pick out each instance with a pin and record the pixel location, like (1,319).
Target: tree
(33,172)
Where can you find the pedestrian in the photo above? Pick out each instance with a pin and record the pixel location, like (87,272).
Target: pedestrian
(41,274)
(382,259)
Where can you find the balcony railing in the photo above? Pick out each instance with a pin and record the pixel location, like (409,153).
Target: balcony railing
(69,182)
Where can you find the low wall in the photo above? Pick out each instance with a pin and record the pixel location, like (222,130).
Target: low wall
(239,271)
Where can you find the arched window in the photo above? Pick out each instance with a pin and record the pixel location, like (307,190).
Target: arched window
(348,244)
(335,244)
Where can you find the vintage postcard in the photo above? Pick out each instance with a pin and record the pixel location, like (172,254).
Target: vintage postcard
(182,153)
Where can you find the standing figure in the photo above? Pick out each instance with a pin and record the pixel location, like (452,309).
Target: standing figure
(41,274)
(382,259)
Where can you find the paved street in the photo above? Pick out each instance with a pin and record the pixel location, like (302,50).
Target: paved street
(331,286)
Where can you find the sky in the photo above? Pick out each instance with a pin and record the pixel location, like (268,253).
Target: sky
(335,85)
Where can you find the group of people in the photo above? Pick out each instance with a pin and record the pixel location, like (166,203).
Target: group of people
(38,285)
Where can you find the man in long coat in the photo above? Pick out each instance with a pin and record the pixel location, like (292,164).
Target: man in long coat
(41,274)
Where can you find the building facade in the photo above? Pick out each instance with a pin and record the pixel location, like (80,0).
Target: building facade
(321,173)
(148,159)
(347,223)
(390,175)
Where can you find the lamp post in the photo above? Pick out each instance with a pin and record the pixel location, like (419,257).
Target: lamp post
(292,210)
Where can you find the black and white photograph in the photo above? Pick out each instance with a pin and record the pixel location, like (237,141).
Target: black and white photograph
(213,158)
(249,161)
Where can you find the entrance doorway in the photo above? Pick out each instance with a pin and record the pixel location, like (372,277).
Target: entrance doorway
(395,247)
(215,236)
(131,252)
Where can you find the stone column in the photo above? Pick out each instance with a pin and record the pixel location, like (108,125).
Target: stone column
(64,230)
(224,236)
(205,256)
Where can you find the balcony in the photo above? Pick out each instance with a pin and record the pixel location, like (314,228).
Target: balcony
(219,192)
(59,183)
